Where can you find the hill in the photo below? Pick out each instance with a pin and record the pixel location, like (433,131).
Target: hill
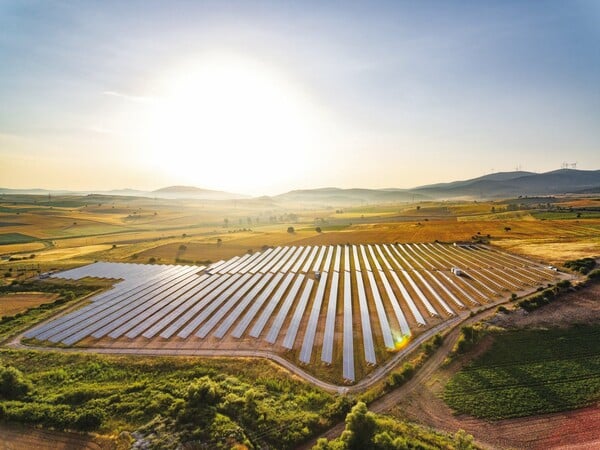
(513,184)
(193,192)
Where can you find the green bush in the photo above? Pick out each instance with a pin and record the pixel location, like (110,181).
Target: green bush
(583,265)
(13,384)
(89,419)
(594,274)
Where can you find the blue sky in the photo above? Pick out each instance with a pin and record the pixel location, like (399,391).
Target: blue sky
(391,93)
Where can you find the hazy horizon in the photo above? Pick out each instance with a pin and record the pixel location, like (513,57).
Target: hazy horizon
(261,98)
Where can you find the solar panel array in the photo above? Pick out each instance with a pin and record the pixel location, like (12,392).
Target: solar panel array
(346,305)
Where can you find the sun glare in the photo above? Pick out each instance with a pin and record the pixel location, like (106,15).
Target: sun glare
(234,118)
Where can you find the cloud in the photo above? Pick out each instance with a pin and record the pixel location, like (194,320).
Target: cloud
(128,97)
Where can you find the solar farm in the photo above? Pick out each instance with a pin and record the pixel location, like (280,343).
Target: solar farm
(348,307)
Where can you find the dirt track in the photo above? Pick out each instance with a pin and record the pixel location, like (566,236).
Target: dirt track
(18,437)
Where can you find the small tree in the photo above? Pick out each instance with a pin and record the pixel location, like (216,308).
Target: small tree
(318,229)
(507,229)
(13,384)
(291,230)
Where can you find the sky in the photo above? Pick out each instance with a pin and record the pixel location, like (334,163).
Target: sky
(264,97)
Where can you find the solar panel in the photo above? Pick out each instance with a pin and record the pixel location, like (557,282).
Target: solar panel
(319,259)
(187,301)
(405,248)
(98,305)
(86,318)
(413,285)
(347,258)
(214,304)
(381,314)
(128,316)
(348,343)
(283,311)
(266,314)
(374,258)
(231,302)
(277,265)
(286,267)
(243,324)
(365,316)
(242,305)
(165,306)
(310,259)
(202,299)
(433,292)
(311,328)
(264,262)
(300,260)
(404,327)
(243,266)
(327,351)
(290,336)
(459,289)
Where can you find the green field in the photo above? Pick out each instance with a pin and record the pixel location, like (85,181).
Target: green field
(529,372)
(565,215)
(16,238)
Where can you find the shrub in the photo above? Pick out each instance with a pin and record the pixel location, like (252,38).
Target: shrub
(13,384)
(583,265)
(89,419)
(291,230)
(594,274)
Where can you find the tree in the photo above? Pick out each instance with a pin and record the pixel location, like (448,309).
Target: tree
(507,229)
(226,222)
(13,384)
(291,230)
(360,427)
(219,242)
(318,229)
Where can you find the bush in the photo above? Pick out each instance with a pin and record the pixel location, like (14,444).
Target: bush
(13,384)
(469,336)
(594,274)
(89,419)
(583,265)
(291,230)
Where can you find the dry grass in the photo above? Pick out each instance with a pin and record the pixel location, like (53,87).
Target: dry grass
(11,304)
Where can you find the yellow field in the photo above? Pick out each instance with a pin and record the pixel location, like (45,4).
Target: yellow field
(120,229)
(11,304)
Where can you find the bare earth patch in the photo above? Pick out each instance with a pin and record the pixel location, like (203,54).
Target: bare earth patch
(18,437)
(581,306)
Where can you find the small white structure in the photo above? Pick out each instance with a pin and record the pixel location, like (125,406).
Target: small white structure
(456,271)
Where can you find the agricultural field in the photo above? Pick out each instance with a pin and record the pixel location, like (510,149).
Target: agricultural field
(553,370)
(338,311)
(11,304)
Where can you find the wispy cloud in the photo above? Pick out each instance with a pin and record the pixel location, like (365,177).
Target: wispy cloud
(128,97)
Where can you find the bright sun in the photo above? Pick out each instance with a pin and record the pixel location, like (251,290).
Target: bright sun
(228,118)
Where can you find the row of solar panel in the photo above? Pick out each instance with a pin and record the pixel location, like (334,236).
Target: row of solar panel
(180,299)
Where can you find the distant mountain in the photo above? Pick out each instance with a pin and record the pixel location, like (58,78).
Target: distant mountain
(345,197)
(491,186)
(512,184)
(192,192)
(498,176)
